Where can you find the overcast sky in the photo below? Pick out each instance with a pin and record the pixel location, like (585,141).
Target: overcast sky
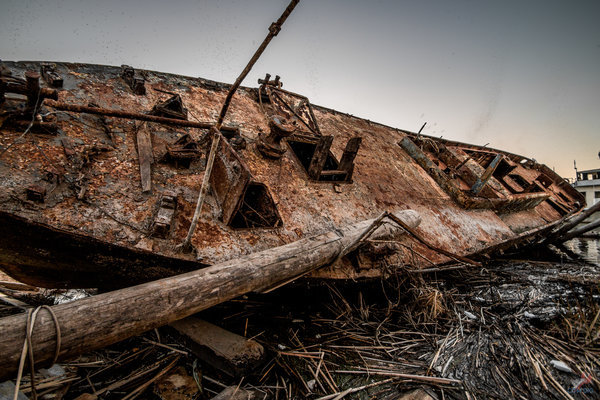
(523,76)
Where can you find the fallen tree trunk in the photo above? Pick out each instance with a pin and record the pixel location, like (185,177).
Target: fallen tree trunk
(101,320)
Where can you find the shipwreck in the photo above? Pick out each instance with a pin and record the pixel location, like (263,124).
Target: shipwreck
(114,177)
(102,189)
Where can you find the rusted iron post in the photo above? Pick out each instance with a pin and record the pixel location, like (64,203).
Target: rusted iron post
(21,88)
(269,145)
(33,88)
(127,114)
(50,75)
(186,245)
(145,159)
(481,182)
(273,31)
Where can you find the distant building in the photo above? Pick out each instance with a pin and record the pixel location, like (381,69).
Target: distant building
(588,184)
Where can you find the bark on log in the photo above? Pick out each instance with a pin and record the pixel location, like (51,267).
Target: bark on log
(101,320)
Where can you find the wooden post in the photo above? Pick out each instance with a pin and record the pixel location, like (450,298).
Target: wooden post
(487,174)
(145,157)
(319,157)
(347,161)
(101,320)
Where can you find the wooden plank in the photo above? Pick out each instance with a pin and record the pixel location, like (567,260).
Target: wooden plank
(487,174)
(333,172)
(347,161)
(236,393)
(418,394)
(107,318)
(233,354)
(145,158)
(229,180)
(319,157)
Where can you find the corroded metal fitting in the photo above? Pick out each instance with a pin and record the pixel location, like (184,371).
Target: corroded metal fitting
(270,145)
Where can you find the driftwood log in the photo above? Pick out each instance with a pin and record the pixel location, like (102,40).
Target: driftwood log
(101,320)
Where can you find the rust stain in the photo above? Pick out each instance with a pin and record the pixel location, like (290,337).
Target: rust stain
(99,190)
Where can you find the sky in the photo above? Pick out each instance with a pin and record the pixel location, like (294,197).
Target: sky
(522,76)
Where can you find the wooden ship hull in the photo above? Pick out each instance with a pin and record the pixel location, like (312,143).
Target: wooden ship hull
(101,167)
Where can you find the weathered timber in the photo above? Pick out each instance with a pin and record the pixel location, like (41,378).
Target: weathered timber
(144,147)
(349,155)
(481,182)
(236,393)
(17,286)
(233,354)
(580,231)
(13,302)
(572,223)
(418,394)
(319,157)
(98,321)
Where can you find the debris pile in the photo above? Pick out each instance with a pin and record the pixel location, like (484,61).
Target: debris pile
(513,329)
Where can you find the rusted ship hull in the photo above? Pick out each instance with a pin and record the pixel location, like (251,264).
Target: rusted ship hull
(102,187)
(48,257)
